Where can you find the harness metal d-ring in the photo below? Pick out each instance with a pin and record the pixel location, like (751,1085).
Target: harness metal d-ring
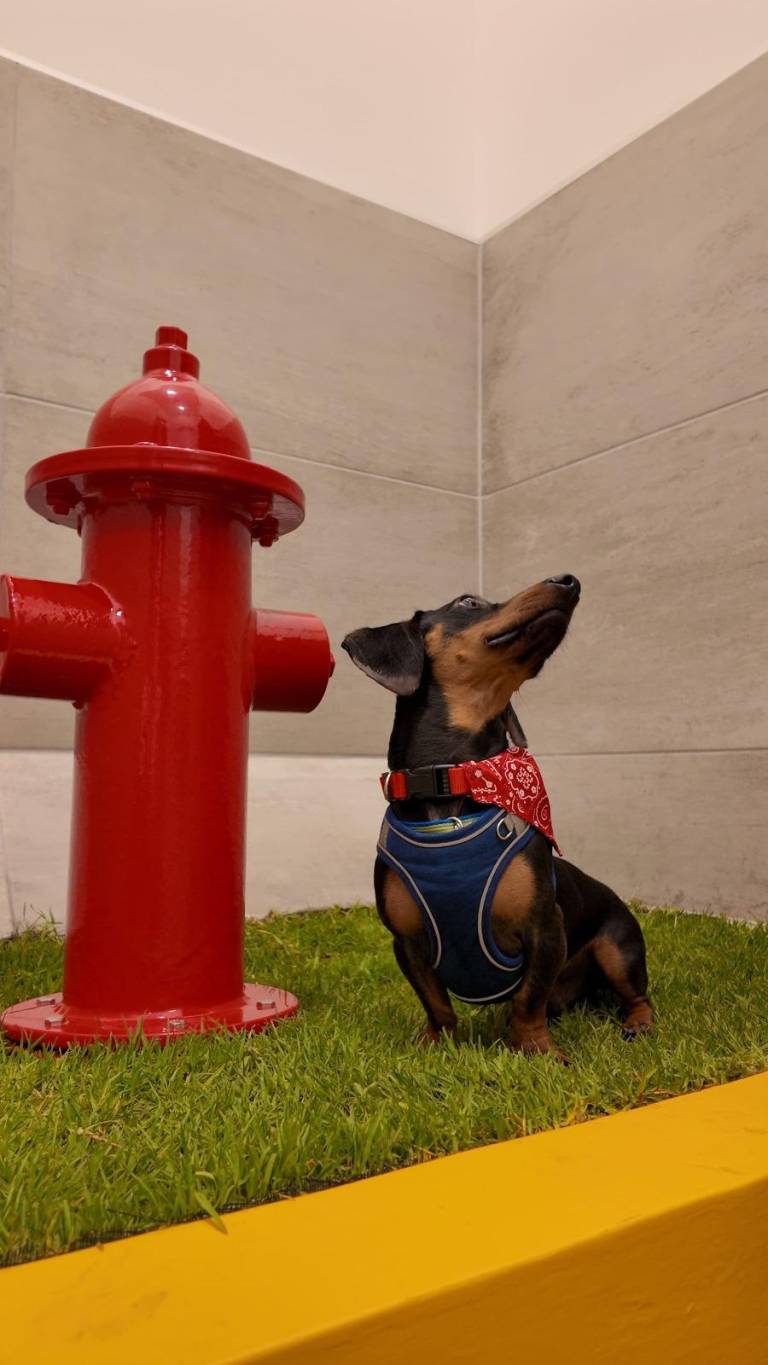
(510,832)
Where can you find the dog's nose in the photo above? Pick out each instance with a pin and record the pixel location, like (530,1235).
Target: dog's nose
(565,580)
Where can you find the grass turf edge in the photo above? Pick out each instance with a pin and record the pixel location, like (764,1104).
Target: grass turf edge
(100,1143)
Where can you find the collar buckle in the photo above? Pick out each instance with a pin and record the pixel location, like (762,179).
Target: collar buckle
(432,781)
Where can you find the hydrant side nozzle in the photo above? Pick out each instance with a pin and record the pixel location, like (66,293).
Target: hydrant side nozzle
(57,639)
(291,661)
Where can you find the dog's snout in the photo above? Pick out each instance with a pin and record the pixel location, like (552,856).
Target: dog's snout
(565,580)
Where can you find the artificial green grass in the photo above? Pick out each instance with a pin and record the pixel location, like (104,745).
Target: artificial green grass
(98,1143)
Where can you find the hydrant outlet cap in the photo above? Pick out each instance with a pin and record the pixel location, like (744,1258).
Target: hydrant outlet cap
(167,406)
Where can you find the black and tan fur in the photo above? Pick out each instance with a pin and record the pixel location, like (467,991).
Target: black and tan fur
(454,671)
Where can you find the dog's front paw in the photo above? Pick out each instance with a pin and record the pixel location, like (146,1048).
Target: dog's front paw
(638,1021)
(428,1035)
(535,1043)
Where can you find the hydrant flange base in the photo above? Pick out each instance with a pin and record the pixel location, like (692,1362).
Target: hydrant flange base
(47,1019)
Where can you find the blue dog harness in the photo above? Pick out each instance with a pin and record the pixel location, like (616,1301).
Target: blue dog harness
(453,867)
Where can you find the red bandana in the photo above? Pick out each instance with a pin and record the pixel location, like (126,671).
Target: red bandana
(512,780)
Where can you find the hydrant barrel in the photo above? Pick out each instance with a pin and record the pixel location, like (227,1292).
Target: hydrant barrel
(157,860)
(160,651)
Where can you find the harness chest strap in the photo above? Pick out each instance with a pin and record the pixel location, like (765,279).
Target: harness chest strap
(511,780)
(453,875)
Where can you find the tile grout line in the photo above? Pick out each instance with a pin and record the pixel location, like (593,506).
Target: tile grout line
(6,876)
(268,454)
(10,237)
(47,402)
(648,753)
(363,473)
(378,758)
(632,441)
(479,312)
(540,753)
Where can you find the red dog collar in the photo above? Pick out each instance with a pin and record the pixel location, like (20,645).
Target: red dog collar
(511,780)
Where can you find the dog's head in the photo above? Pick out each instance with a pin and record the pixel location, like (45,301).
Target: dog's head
(479,653)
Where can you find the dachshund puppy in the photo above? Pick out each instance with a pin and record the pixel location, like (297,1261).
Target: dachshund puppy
(466,879)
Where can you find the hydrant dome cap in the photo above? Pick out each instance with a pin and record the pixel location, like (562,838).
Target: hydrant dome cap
(167,406)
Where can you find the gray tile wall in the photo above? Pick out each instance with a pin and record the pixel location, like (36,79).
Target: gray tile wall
(625,406)
(343,334)
(626,440)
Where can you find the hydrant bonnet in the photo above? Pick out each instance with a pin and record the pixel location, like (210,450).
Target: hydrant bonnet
(168,406)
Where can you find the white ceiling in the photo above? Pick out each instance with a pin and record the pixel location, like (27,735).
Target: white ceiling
(460,112)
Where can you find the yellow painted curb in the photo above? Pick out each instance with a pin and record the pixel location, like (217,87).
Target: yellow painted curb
(637,1238)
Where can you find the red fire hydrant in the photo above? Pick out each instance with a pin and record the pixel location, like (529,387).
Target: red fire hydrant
(160,651)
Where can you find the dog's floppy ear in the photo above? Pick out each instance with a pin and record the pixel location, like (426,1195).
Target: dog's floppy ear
(391,655)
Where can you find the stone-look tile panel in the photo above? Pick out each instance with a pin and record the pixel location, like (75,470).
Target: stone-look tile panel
(370,550)
(635,297)
(35,806)
(8,73)
(338,330)
(617,817)
(672,829)
(667,648)
(324,868)
(34,548)
(31,546)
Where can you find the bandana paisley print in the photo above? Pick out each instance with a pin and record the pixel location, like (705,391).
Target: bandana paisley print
(512,780)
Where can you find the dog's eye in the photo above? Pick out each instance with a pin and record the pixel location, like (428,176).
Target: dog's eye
(467,602)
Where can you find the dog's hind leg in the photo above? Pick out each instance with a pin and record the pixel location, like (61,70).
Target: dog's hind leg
(544,949)
(619,951)
(600,925)
(573,984)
